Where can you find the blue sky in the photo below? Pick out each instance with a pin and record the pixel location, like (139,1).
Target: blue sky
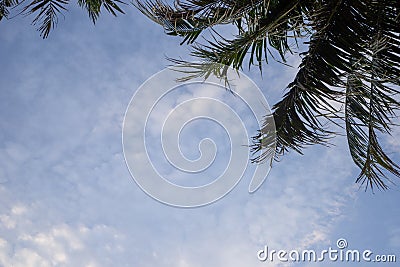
(67,197)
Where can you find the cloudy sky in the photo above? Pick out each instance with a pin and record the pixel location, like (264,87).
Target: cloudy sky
(67,196)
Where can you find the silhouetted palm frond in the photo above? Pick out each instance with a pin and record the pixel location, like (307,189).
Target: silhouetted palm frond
(5,5)
(370,103)
(93,7)
(188,19)
(352,61)
(46,12)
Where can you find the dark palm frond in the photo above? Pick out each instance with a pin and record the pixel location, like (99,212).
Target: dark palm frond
(266,27)
(5,5)
(93,7)
(370,103)
(112,6)
(336,41)
(47,12)
(352,61)
(261,24)
(363,118)
(264,143)
(188,19)
(309,96)
(194,70)
(269,27)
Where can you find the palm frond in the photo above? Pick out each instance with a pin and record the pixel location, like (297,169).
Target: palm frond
(344,37)
(370,103)
(93,7)
(309,96)
(363,116)
(188,19)
(264,29)
(47,12)
(353,61)
(5,5)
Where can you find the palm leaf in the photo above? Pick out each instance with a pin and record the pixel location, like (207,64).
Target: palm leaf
(352,60)
(370,103)
(188,19)
(261,33)
(93,7)
(309,97)
(46,12)
(362,119)
(5,5)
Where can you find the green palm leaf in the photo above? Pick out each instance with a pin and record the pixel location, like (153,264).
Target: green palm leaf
(93,7)
(47,12)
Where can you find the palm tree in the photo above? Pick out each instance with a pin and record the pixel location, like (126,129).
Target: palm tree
(46,12)
(353,59)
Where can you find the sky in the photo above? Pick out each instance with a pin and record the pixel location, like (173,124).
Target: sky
(68,198)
